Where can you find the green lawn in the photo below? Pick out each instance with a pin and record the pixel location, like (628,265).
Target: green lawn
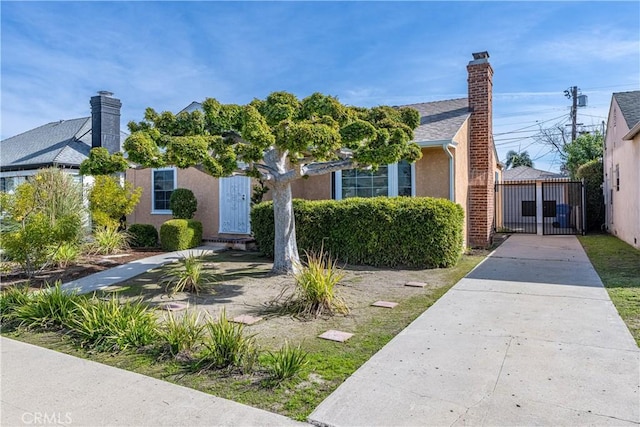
(618,265)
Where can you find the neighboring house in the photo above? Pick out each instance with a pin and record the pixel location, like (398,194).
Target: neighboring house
(534,201)
(459,163)
(64,144)
(621,163)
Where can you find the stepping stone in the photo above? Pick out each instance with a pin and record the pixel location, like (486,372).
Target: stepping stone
(416,284)
(237,255)
(385,304)
(333,335)
(174,306)
(245,319)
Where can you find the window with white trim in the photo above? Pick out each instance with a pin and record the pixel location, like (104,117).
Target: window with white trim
(397,179)
(163,182)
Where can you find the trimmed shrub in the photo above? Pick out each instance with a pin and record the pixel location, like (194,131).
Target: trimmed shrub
(180,234)
(183,203)
(419,232)
(143,236)
(592,173)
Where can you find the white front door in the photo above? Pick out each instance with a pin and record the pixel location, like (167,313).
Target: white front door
(235,205)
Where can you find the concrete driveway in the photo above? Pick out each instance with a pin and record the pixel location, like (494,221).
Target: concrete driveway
(530,337)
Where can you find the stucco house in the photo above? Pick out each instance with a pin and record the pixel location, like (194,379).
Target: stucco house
(63,144)
(621,163)
(459,163)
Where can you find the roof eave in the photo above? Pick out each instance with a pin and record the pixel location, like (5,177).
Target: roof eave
(439,143)
(632,133)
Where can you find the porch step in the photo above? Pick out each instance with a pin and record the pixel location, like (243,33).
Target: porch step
(237,243)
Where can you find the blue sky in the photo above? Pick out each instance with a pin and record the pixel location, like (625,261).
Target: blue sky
(56,55)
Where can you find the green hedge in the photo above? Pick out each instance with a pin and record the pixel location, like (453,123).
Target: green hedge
(143,235)
(180,234)
(404,231)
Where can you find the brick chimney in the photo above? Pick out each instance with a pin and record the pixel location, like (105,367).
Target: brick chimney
(482,160)
(105,121)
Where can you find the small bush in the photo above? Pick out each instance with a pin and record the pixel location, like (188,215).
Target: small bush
(421,232)
(66,254)
(143,236)
(183,203)
(109,325)
(109,202)
(187,275)
(226,346)
(51,308)
(180,234)
(109,241)
(181,336)
(286,363)
(314,293)
(43,213)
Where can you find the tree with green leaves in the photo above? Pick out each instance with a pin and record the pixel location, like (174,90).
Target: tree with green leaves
(279,139)
(515,159)
(100,162)
(582,150)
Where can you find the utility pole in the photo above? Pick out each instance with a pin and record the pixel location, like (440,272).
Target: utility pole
(572,93)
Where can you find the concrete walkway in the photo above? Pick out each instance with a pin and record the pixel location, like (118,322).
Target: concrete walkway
(127,271)
(530,337)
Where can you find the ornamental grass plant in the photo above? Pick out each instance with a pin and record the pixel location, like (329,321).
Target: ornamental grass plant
(188,275)
(285,363)
(225,345)
(112,325)
(50,308)
(315,287)
(182,334)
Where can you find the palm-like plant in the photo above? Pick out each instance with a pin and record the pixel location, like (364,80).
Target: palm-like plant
(515,159)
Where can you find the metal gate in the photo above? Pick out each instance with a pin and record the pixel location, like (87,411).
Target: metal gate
(562,207)
(515,207)
(552,207)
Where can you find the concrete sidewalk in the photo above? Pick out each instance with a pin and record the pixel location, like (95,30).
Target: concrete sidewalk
(44,387)
(530,337)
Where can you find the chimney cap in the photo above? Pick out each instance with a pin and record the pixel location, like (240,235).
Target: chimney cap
(105,93)
(481,55)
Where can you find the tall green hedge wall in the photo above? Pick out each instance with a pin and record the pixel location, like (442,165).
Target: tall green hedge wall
(403,231)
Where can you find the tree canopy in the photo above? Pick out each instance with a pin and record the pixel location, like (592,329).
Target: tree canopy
(583,149)
(278,139)
(515,159)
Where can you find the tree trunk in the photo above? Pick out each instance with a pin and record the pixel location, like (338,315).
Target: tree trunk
(286,258)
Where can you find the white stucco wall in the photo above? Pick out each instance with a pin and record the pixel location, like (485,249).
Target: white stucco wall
(622,179)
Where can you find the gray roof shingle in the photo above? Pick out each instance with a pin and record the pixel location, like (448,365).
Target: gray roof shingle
(440,120)
(66,142)
(525,173)
(629,103)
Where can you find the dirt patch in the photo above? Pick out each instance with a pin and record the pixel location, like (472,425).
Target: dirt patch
(247,287)
(86,265)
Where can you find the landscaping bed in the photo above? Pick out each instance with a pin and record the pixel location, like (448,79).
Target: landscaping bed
(12,274)
(245,286)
